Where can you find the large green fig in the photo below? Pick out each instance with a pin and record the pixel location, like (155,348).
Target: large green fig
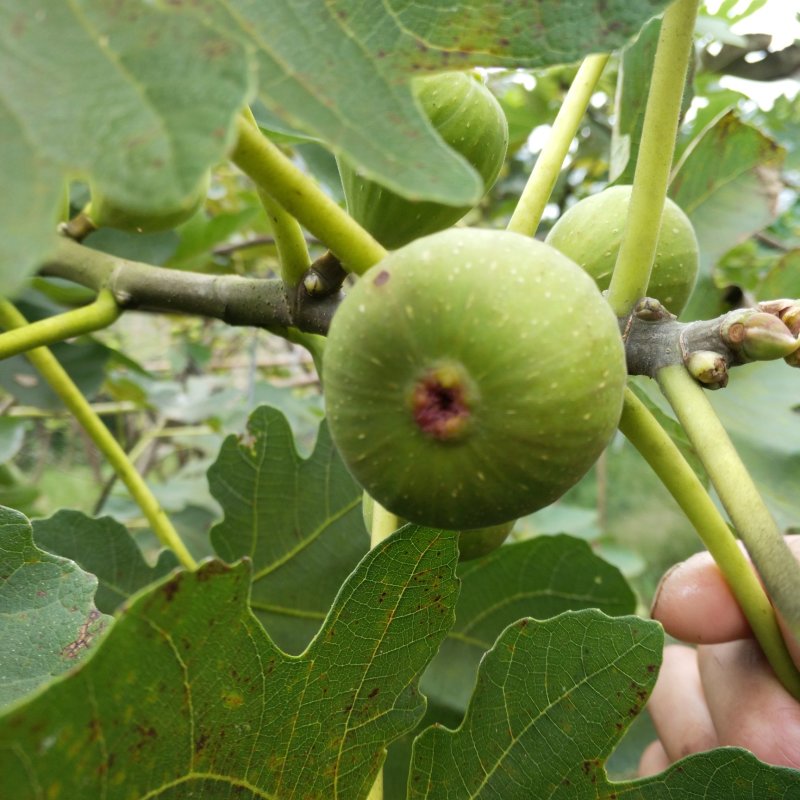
(472,543)
(472,377)
(591,231)
(469,119)
(105,214)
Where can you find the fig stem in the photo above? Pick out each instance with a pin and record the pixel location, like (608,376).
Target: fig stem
(289,239)
(645,433)
(376,792)
(660,127)
(779,569)
(72,397)
(99,314)
(300,196)
(384,524)
(531,204)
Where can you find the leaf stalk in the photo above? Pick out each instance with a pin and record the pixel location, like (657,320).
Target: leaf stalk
(289,239)
(659,130)
(773,559)
(72,397)
(301,197)
(645,433)
(96,315)
(531,204)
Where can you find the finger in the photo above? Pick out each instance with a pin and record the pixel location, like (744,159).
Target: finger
(654,759)
(694,604)
(678,707)
(747,703)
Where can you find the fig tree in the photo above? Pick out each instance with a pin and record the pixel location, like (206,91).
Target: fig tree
(105,214)
(472,377)
(591,231)
(469,119)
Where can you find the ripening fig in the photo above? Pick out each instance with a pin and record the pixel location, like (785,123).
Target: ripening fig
(591,231)
(469,119)
(105,214)
(472,544)
(472,377)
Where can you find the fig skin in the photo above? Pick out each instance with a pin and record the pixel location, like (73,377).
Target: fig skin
(105,214)
(472,544)
(472,377)
(591,231)
(471,121)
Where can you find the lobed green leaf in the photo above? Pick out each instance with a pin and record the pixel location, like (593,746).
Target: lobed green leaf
(48,620)
(552,700)
(298,520)
(105,548)
(188,695)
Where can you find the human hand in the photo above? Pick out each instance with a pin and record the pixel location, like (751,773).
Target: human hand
(724,691)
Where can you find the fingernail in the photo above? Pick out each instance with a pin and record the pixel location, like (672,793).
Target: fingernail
(660,587)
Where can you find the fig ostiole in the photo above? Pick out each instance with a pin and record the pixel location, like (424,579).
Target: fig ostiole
(472,544)
(590,233)
(104,213)
(472,377)
(470,120)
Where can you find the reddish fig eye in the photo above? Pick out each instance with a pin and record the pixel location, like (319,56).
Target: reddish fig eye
(440,406)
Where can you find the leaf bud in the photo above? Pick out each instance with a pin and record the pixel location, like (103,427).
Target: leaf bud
(793,359)
(708,367)
(757,336)
(652,310)
(791,318)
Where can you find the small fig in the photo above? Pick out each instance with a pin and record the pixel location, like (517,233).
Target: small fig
(472,377)
(471,544)
(482,541)
(469,119)
(105,214)
(591,231)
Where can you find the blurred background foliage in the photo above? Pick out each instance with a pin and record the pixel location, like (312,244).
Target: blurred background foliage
(173,387)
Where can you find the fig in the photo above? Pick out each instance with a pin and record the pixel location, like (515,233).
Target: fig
(591,231)
(105,214)
(482,541)
(470,120)
(471,544)
(472,377)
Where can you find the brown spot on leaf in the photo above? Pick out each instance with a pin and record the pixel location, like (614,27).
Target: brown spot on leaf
(94,729)
(84,638)
(170,589)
